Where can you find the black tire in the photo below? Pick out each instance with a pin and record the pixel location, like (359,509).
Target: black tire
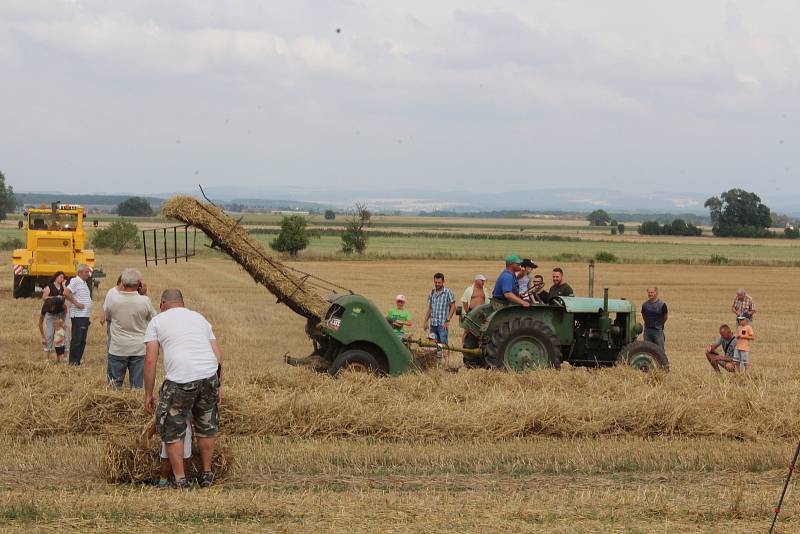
(471,361)
(500,351)
(356,360)
(643,355)
(23,287)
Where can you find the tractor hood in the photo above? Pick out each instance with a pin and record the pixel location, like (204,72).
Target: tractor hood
(590,305)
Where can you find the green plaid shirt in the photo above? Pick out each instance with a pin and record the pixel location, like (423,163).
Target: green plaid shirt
(440,305)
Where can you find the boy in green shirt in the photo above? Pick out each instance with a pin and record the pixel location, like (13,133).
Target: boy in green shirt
(399,317)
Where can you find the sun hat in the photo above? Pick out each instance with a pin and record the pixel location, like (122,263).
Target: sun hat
(480,277)
(528,263)
(400,297)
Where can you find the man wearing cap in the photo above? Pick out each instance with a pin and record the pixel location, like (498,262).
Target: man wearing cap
(506,288)
(524,274)
(475,295)
(399,317)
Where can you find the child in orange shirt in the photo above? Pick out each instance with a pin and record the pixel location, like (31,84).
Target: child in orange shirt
(744,335)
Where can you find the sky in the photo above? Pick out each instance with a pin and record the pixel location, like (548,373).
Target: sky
(151,97)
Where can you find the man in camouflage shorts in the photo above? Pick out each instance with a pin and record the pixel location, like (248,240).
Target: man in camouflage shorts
(193,368)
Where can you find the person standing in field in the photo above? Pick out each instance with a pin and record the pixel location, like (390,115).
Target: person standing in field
(475,295)
(54,308)
(441,307)
(80,312)
(191,388)
(744,335)
(727,342)
(655,314)
(128,313)
(559,288)
(506,287)
(399,317)
(743,305)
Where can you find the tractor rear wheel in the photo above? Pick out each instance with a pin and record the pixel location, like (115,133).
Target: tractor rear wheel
(644,356)
(23,287)
(356,361)
(523,344)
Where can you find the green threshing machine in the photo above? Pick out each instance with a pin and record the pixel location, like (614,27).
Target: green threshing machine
(349,332)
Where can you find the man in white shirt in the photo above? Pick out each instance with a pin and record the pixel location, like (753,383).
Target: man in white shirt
(77,292)
(128,314)
(192,368)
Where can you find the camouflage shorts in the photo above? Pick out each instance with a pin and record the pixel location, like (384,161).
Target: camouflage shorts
(179,403)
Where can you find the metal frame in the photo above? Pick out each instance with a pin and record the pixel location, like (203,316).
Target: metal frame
(164,256)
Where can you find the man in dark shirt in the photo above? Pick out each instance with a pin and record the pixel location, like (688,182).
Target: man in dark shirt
(506,288)
(559,288)
(654,313)
(536,292)
(727,342)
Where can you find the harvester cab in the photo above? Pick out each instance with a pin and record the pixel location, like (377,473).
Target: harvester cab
(55,240)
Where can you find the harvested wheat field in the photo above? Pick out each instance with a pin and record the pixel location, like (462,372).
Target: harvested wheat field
(554,451)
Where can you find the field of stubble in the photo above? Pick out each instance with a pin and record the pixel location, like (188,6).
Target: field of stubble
(569,451)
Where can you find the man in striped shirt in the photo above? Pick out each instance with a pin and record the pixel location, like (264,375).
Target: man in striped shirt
(743,305)
(77,292)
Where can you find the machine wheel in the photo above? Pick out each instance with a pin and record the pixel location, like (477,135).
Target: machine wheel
(523,344)
(471,361)
(356,361)
(23,287)
(644,356)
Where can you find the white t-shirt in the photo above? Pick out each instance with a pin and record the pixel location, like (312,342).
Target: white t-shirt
(80,291)
(185,337)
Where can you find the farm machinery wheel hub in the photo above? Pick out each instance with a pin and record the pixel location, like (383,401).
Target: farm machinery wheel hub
(643,361)
(526,353)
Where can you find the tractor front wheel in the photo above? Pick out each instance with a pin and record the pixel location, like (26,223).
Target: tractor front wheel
(523,344)
(356,361)
(23,287)
(644,356)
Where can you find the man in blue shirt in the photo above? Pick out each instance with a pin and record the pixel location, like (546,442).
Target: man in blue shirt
(506,288)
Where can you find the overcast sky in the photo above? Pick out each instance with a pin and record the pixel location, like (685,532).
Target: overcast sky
(152,96)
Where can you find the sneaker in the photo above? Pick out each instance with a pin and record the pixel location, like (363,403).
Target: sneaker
(163,484)
(181,484)
(206,479)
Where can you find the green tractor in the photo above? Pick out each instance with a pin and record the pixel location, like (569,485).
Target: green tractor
(582,331)
(590,332)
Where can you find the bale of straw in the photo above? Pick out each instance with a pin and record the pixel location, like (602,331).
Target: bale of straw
(130,458)
(93,412)
(226,234)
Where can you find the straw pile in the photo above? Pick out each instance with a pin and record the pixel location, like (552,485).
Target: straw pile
(94,411)
(226,234)
(129,458)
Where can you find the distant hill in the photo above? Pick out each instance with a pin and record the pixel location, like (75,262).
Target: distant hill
(93,201)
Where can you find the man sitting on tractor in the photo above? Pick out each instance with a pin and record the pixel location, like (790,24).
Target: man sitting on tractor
(726,341)
(506,288)
(559,288)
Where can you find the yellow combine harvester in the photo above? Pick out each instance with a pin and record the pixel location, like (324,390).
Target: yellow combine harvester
(55,241)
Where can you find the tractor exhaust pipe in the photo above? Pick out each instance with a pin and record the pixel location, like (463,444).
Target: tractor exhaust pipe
(605,300)
(591,278)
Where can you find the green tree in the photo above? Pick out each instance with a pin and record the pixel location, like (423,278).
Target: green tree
(118,235)
(354,237)
(650,228)
(739,213)
(293,236)
(620,228)
(330,215)
(8,203)
(598,218)
(134,207)
(791,232)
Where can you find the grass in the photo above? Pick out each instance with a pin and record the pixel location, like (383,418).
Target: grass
(572,451)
